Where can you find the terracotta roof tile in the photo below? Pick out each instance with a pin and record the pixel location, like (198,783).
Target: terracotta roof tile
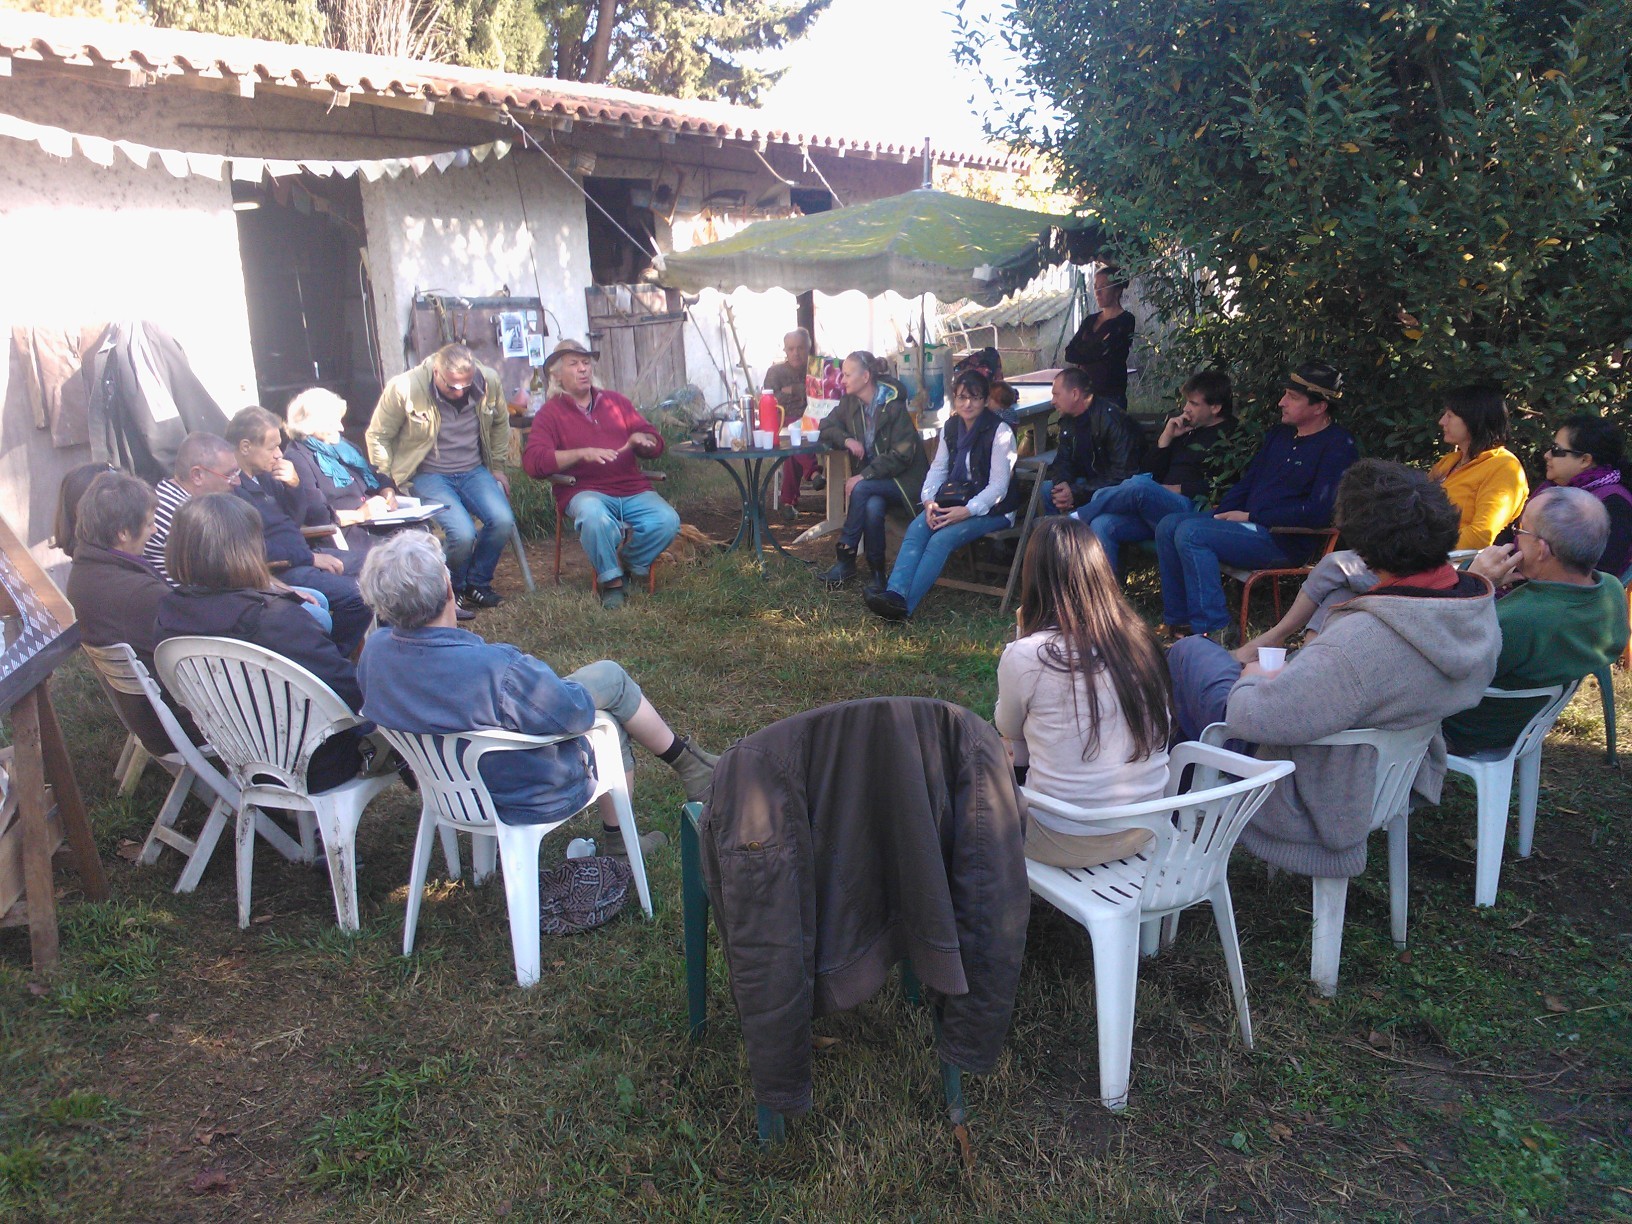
(167,54)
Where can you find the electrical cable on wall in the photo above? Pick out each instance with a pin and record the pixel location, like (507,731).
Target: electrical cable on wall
(529,139)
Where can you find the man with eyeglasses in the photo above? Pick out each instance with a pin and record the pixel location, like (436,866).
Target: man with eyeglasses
(443,428)
(204,464)
(1564,622)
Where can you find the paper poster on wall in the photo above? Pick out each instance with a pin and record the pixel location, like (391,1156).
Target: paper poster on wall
(513,333)
(535,349)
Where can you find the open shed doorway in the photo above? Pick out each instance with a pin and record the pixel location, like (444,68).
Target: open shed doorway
(311,321)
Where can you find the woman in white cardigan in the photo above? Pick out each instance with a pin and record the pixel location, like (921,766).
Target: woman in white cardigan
(1083,697)
(967,494)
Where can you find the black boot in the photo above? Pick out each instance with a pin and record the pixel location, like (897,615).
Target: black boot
(844,569)
(880,576)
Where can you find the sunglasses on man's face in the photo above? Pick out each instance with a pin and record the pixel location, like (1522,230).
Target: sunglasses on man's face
(1564,452)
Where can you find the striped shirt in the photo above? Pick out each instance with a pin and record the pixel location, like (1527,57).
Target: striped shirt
(171,495)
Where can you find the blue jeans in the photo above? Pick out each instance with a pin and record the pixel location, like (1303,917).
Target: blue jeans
(924,552)
(472,555)
(1128,512)
(317,604)
(349,615)
(1189,549)
(600,519)
(1203,674)
(870,503)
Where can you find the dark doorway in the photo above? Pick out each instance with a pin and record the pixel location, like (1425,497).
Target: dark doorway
(310,308)
(613,258)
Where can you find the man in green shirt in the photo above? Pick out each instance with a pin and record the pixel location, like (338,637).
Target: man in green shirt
(1565,622)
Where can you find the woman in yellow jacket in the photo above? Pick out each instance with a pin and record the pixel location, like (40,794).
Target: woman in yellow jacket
(1482,478)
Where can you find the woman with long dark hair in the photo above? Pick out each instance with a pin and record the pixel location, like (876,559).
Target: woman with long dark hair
(967,494)
(1083,695)
(1590,453)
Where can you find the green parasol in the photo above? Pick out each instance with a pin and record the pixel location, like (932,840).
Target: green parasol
(921,242)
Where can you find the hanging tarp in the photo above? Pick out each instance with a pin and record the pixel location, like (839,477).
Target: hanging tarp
(921,242)
(217,166)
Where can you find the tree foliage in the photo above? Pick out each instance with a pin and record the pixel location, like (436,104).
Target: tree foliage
(685,48)
(1426,193)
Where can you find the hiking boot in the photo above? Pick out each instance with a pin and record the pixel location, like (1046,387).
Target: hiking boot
(844,569)
(613,597)
(696,770)
(887,604)
(612,843)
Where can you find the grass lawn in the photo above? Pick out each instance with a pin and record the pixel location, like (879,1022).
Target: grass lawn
(180,1069)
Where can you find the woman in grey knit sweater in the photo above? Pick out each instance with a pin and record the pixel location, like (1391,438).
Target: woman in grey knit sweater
(1419,646)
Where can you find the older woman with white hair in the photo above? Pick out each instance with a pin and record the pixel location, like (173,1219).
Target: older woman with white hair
(332,467)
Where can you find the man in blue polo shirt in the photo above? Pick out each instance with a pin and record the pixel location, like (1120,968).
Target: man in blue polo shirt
(1290,482)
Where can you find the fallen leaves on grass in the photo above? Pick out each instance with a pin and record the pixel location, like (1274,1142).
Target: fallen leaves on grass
(212,1181)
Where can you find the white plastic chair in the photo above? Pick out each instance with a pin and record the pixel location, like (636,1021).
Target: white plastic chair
(1185,865)
(1492,774)
(265,716)
(455,799)
(122,672)
(1399,756)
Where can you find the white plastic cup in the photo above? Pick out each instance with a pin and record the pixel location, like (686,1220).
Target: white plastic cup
(764,439)
(796,436)
(1272,658)
(581,847)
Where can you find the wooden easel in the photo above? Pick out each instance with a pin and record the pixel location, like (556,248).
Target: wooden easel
(40,634)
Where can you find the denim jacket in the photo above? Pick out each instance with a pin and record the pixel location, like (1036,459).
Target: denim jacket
(444,681)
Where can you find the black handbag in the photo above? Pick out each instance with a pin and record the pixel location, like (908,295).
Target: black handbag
(956,493)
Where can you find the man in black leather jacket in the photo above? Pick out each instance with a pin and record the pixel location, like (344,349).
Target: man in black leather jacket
(1099,444)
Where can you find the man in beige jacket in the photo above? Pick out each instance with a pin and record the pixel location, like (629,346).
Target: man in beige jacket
(443,428)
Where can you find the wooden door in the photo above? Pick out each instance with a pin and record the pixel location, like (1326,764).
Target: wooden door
(637,329)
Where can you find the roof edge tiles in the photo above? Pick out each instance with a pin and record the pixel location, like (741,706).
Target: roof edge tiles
(163,55)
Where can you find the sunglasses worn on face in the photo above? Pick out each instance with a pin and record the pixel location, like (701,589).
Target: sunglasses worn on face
(1564,452)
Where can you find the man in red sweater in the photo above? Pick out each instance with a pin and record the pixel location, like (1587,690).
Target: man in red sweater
(598,438)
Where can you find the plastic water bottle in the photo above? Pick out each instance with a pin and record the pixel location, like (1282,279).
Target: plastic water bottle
(581,847)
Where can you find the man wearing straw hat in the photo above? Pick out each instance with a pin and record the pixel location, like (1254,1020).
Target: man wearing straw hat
(598,438)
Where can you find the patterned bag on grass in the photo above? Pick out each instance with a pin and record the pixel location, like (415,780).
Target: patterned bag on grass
(582,894)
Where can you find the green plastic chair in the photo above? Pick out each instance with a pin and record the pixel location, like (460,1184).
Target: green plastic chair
(772,1125)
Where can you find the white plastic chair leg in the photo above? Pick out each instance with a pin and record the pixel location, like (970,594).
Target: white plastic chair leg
(164,824)
(1224,918)
(245,835)
(214,825)
(132,761)
(484,852)
(1529,788)
(1494,788)
(450,849)
(272,832)
(307,823)
(1150,936)
(518,851)
(1331,896)
(340,849)
(416,876)
(1116,983)
(631,844)
(1399,865)
(1170,929)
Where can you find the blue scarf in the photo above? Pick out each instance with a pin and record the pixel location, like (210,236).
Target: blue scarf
(340,461)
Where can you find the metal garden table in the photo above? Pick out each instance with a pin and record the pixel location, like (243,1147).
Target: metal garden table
(752,470)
